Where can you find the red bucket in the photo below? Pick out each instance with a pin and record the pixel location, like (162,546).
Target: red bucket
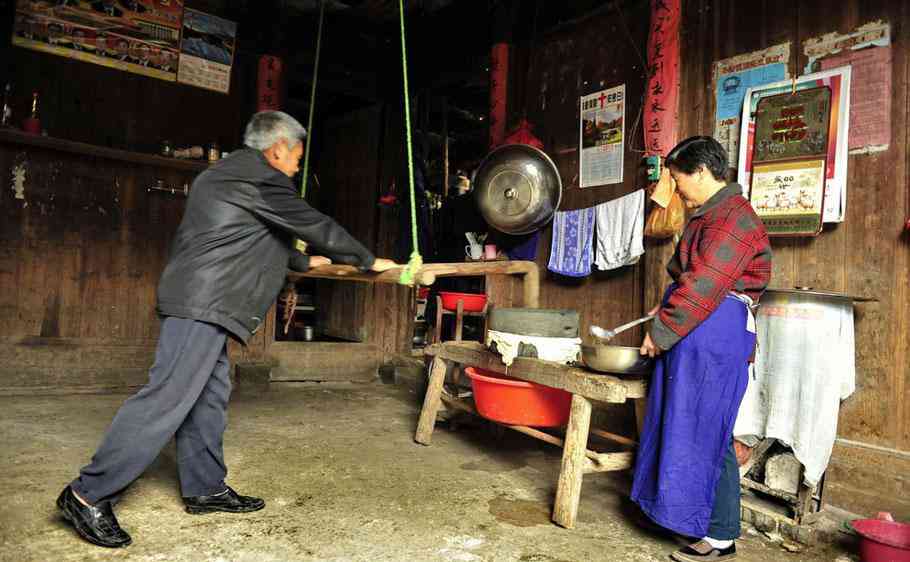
(472,302)
(515,402)
(883,539)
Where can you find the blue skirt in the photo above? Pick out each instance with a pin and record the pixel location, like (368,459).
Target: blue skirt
(694,396)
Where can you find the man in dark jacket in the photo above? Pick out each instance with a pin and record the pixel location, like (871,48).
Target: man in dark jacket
(227,263)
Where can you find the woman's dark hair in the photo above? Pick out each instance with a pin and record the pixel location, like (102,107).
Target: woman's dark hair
(692,153)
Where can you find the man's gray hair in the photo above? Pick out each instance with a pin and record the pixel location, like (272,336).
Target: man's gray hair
(268,127)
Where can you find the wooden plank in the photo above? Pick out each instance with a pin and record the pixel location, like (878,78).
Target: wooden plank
(758,454)
(428,273)
(9,289)
(568,490)
(614,437)
(431,402)
(20,140)
(759,487)
(317,361)
(606,388)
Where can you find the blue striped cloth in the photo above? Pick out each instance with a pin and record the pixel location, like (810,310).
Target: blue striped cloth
(572,250)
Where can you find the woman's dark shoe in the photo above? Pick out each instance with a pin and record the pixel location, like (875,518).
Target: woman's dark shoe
(229,501)
(94,523)
(701,550)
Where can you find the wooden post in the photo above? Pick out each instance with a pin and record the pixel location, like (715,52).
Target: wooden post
(530,285)
(459,320)
(437,329)
(431,402)
(568,491)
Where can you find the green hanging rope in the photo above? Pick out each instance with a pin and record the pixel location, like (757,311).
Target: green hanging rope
(309,124)
(416,261)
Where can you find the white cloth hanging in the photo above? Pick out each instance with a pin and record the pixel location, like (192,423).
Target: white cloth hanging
(620,227)
(805,366)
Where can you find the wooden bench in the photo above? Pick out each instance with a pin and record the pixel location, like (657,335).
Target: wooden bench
(577,459)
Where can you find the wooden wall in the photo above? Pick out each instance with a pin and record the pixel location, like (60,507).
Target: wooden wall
(866,255)
(548,77)
(80,256)
(359,157)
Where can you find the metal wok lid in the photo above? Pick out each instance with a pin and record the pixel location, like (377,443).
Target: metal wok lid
(517,188)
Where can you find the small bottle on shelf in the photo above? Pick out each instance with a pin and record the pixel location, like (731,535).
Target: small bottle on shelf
(32,124)
(6,113)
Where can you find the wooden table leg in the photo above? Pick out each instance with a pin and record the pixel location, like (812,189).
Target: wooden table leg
(530,289)
(437,329)
(641,408)
(431,402)
(568,491)
(459,320)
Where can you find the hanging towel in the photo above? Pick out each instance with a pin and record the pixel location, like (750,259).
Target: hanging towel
(527,250)
(795,395)
(620,225)
(572,250)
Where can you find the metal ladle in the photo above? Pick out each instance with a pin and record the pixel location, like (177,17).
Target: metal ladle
(607,335)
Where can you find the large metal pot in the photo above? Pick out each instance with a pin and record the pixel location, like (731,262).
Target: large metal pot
(517,188)
(617,359)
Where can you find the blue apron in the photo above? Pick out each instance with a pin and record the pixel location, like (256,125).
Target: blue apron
(694,396)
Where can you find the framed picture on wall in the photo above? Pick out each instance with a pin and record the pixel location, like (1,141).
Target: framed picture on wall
(139,36)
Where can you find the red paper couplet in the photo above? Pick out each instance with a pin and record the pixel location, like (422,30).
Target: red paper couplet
(662,98)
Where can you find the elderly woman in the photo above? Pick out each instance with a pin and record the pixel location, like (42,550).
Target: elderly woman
(686,475)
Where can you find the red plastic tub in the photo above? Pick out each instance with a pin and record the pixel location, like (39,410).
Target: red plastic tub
(472,302)
(883,539)
(515,402)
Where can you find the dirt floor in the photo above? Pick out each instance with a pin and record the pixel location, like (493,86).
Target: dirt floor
(342,479)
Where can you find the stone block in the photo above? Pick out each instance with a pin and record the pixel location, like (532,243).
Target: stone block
(783,472)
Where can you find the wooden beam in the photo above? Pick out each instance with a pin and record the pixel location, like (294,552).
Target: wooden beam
(614,437)
(606,388)
(780,494)
(429,272)
(758,453)
(351,273)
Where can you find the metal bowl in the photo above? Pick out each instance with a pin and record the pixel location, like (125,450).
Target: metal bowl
(617,359)
(517,188)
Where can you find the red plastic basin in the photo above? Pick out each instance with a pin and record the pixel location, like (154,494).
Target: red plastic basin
(883,541)
(515,402)
(472,302)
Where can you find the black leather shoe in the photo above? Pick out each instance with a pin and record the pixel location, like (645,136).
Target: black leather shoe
(94,523)
(229,501)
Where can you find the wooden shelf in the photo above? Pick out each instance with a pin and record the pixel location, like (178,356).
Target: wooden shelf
(10,136)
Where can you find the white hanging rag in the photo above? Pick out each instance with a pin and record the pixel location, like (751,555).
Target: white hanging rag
(805,366)
(620,224)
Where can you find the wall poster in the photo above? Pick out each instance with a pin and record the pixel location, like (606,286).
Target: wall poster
(838,81)
(140,36)
(867,51)
(790,148)
(735,75)
(207,51)
(602,131)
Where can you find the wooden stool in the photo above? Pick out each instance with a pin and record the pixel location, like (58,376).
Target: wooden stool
(459,313)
